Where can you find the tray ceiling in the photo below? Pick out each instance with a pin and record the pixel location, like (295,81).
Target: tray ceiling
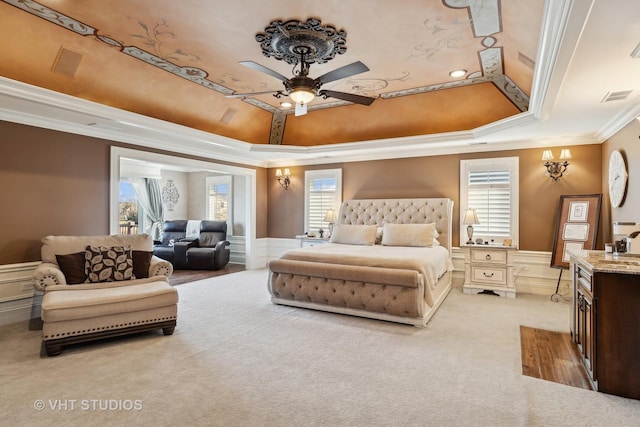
(175,61)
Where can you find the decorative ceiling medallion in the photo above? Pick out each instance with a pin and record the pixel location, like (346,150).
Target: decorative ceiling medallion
(280,40)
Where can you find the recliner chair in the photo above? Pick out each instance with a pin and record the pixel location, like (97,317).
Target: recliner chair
(173,246)
(212,252)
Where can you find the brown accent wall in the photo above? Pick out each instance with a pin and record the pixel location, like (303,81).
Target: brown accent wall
(627,141)
(439,176)
(58,183)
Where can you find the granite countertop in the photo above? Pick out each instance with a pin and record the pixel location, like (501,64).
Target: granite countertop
(608,263)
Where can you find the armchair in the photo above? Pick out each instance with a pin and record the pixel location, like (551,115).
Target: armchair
(120,289)
(212,252)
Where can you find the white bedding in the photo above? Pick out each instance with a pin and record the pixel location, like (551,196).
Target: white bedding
(434,260)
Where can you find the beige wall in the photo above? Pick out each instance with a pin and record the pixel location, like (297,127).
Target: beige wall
(58,183)
(439,176)
(627,141)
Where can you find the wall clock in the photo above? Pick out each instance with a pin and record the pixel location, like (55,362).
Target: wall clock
(617,178)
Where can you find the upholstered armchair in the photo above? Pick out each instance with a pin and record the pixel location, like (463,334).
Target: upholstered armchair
(102,286)
(212,252)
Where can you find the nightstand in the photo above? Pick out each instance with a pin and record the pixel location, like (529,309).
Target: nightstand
(489,269)
(305,241)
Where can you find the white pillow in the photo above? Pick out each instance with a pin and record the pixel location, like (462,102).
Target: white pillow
(410,235)
(354,234)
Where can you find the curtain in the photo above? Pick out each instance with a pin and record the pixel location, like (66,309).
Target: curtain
(150,197)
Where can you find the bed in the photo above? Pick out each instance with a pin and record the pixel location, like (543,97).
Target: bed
(403,275)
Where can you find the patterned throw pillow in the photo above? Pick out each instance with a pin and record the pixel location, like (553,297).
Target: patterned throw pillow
(108,264)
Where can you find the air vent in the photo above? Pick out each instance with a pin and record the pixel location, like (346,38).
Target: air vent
(526,60)
(66,62)
(617,96)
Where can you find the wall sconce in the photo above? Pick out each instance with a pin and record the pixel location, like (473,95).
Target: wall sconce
(330,217)
(283,178)
(470,218)
(556,169)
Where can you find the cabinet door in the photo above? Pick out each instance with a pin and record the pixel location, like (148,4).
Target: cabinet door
(585,328)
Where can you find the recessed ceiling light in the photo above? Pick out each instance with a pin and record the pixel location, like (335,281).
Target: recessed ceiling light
(458,73)
(286,104)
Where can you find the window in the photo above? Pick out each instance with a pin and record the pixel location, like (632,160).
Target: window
(219,196)
(323,191)
(490,186)
(129,209)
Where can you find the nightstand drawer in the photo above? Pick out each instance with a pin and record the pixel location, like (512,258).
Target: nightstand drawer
(489,256)
(495,276)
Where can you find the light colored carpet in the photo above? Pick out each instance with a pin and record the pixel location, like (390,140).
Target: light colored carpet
(238,360)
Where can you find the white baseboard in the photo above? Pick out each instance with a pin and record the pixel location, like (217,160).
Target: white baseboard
(16,292)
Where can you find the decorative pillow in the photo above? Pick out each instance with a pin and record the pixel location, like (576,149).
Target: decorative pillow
(72,267)
(108,264)
(409,234)
(141,263)
(354,234)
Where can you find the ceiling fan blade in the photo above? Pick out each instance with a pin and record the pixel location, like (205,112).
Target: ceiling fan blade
(343,72)
(263,69)
(301,109)
(244,95)
(351,97)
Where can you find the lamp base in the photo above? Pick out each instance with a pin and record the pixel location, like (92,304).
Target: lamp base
(470,234)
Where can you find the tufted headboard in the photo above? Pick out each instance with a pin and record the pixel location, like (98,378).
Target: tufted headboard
(401,211)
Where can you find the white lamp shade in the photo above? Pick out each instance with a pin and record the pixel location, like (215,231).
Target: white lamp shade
(565,154)
(547,156)
(330,216)
(470,217)
(287,172)
(278,172)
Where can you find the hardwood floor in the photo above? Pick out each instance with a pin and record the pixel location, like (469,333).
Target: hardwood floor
(184,276)
(552,356)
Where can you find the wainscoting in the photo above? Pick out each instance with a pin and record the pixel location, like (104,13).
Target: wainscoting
(532,275)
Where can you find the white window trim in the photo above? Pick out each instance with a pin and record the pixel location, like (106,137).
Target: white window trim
(316,174)
(512,163)
(222,179)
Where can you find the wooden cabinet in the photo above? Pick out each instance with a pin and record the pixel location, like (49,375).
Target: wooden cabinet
(605,318)
(489,269)
(584,317)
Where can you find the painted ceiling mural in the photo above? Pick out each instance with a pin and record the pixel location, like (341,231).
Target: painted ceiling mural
(450,30)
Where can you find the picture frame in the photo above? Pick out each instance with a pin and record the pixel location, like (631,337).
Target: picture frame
(576,229)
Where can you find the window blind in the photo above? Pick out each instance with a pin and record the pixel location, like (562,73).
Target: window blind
(489,192)
(321,193)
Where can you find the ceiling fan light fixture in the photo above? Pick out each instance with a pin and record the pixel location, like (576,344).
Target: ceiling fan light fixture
(302,95)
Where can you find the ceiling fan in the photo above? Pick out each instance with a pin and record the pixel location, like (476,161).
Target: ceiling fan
(302,89)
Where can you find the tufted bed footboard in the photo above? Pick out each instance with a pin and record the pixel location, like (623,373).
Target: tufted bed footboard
(378,293)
